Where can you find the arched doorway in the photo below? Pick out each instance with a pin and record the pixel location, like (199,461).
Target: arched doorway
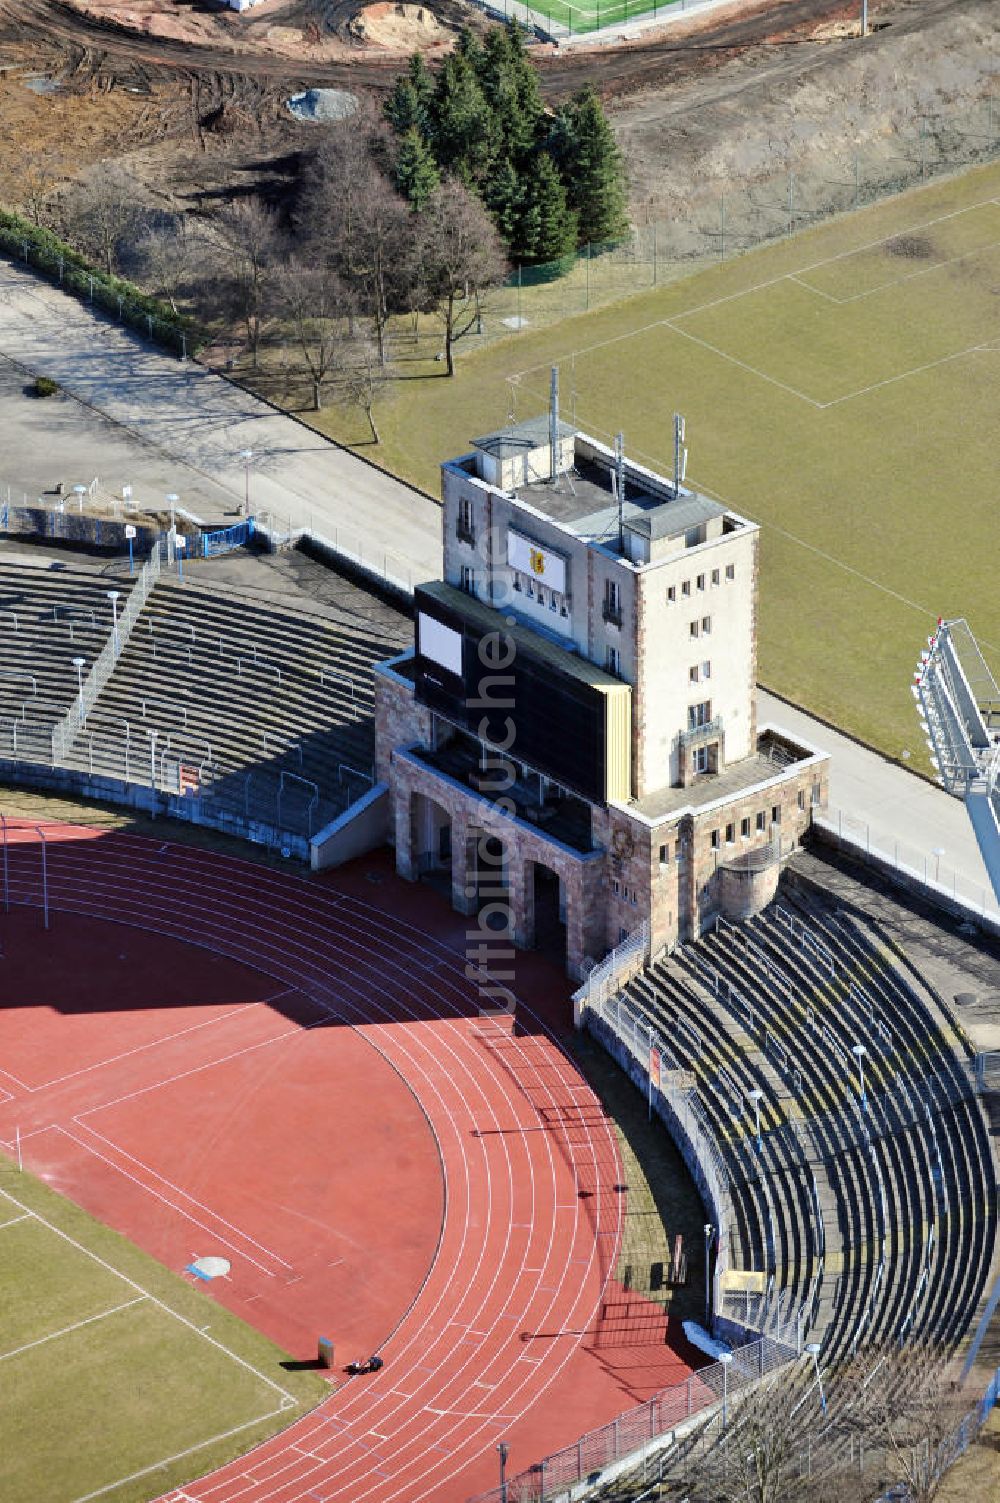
(431,841)
(550,912)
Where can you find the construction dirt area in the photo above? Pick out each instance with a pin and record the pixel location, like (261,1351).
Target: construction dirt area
(192,98)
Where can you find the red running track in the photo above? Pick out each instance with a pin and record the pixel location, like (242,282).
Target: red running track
(305,1086)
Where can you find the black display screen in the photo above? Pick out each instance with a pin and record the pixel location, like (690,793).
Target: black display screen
(520,703)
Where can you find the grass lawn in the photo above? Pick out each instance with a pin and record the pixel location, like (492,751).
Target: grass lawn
(119,1380)
(840,387)
(578,16)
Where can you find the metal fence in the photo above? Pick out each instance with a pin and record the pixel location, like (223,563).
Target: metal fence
(644,1425)
(381,564)
(617,969)
(22,243)
(226,539)
(722,217)
(927,868)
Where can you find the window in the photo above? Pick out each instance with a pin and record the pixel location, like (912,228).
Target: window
(664,855)
(701,581)
(715,576)
(730,571)
(468,580)
(530,591)
(517,582)
(553,603)
(699,759)
(706,670)
(693,628)
(463,527)
(616,887)
(613,662)
(745,828)
(801,798)
(776,814)
(541,594)
(715,840)
(706,625)
(761,822)
(693,674)
(816,794)
(671,594)
(612,602)
(730,834)
(699,715)
(686,587)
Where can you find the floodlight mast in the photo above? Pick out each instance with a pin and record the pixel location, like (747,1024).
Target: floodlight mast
(620,487)
(680,454)
(554,425)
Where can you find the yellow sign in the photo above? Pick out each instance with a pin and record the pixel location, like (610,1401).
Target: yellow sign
(537,561)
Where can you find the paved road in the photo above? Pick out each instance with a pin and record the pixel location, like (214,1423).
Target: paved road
(192,426)
(204,423)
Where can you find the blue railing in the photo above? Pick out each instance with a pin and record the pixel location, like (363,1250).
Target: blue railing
(226,539)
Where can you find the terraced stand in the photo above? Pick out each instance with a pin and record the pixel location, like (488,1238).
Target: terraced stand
(868,1208)
(254,716)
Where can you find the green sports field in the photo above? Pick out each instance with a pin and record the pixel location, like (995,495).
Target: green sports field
(578,16)
(117,1379)
(842,387)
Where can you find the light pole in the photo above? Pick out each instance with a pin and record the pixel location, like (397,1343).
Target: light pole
(859,1051)
(246,455)
(113,597)
(172,500)
(755,1097)
(937,853)
(503,1451)
(813,1349)
(79,492)
(78,665)
(864,18)
(709,1230)
(45,875)
(725,1358)
(152,773)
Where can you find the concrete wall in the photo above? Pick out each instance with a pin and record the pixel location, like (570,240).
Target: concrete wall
(399,720)
(360,829)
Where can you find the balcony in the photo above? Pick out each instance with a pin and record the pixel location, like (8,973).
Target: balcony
(710,731)
(612,613)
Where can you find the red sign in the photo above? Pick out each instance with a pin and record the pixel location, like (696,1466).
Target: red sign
(654,1066)
(187,779)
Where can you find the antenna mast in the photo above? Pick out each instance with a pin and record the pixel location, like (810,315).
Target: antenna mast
(680,456)
(554,425)
(620,486)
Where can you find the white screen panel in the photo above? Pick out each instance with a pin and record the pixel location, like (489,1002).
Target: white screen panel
(440,643)
(529,558)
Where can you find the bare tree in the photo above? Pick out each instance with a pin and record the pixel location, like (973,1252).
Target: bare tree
(354,220)
(363,379)
(900,1410)
(103,211)
(169,260)
(460,255)
(252,243)
(314,304)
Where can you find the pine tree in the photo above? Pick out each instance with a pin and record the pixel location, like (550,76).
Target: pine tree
(547,217)
(460,120)
(591,167)
(510,85)
(402,108)
(423,85)
(416,172)
(503,195)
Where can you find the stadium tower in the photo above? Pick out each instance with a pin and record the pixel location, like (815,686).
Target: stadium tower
(572,741)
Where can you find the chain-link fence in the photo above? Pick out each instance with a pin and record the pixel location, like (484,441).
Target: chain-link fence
(36,249)
(726,216)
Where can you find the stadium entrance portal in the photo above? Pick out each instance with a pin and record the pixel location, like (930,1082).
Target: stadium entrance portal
(550,912)
(431,835)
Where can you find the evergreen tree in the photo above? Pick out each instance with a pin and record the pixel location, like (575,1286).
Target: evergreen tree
(460,120)
(510,85)
(548,226)
(591,167)
(423,85)
(416,172)
(402,108)
(503,195)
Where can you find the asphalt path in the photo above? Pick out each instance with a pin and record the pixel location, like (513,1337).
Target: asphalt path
(191,427)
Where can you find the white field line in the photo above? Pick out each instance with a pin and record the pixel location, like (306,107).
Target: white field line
(801,271)
(174,1314)
(156,1466)
(76,1326)
(972,349)
(210,1231)
(751,370)
(910,276)
(167,1038)
(14,1220)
